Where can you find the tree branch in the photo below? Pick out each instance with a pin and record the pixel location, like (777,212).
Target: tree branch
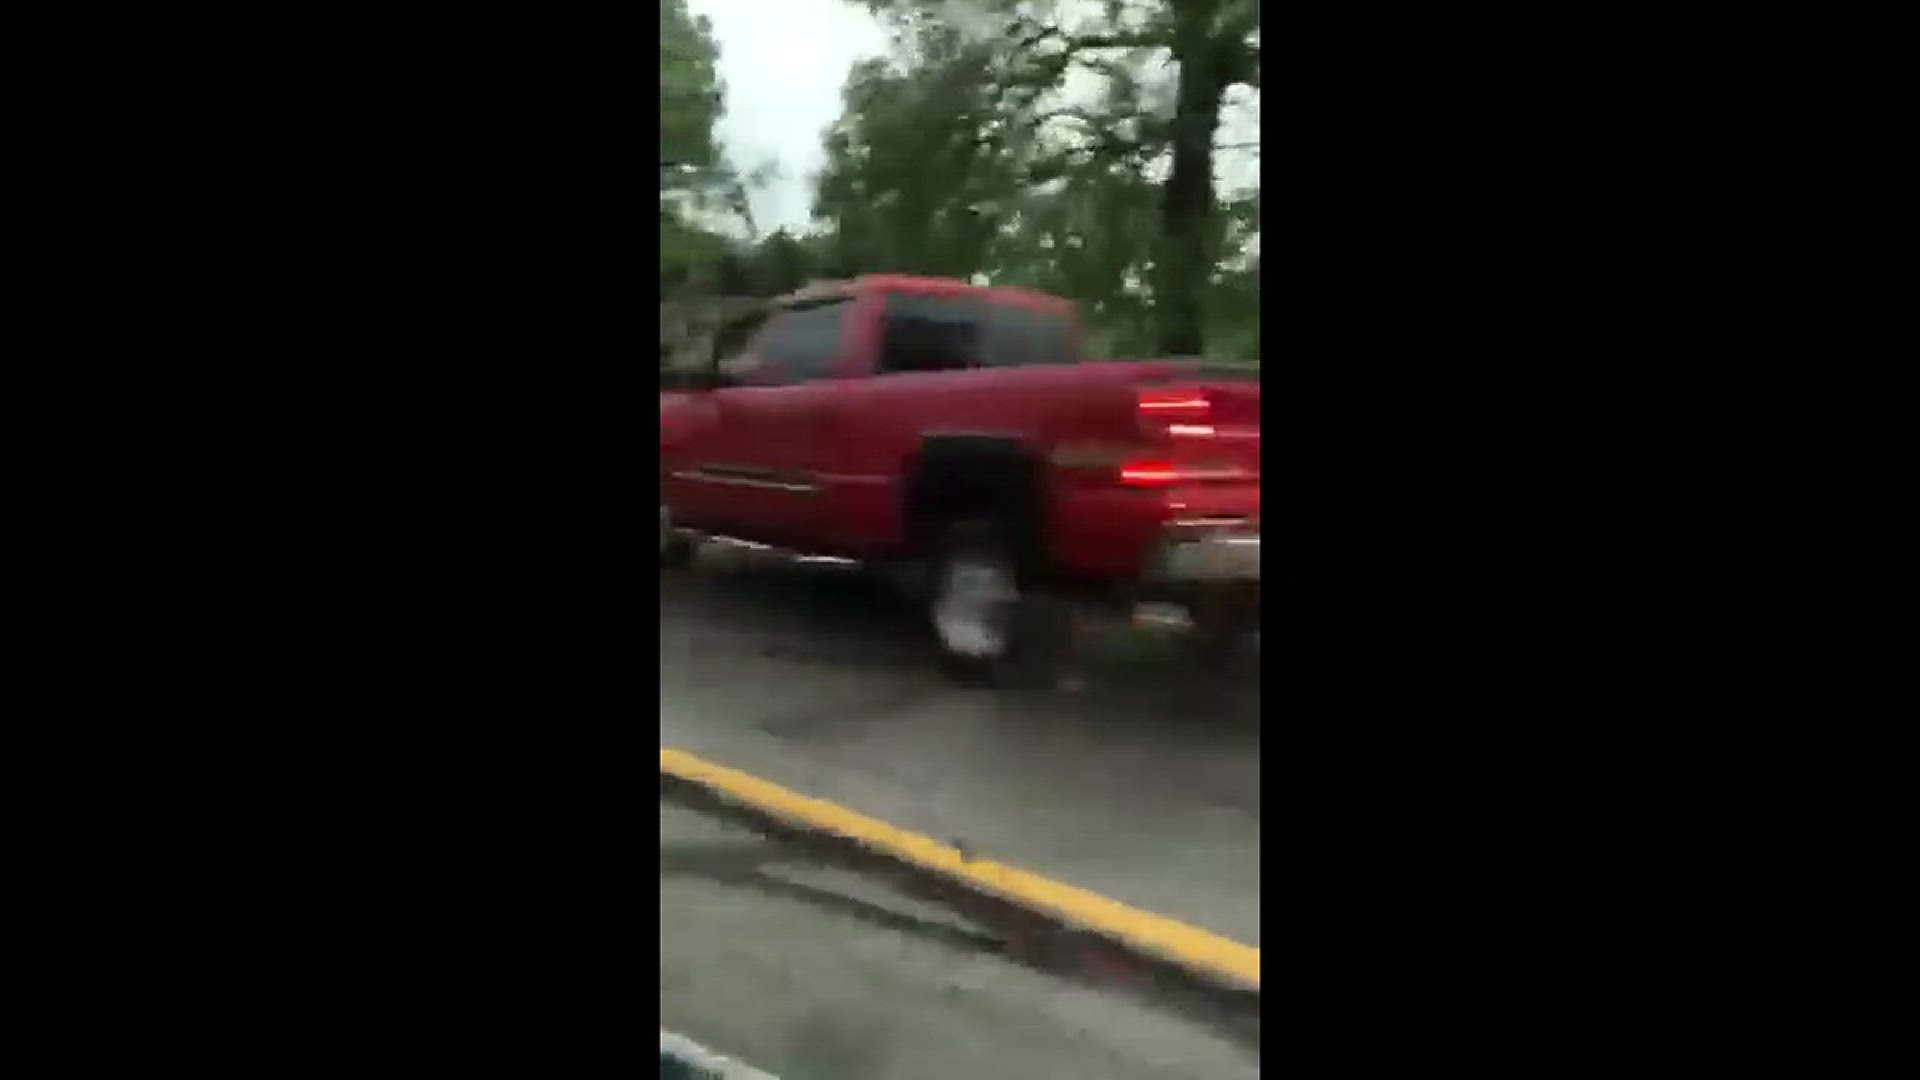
(1048,68)
(1088,116)
(1086,42)
(1103,131)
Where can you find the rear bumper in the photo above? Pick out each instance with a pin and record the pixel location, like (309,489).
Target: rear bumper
(1206,559)
(1210,576)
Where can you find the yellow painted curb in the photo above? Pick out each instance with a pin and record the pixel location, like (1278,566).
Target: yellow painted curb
(1146,931)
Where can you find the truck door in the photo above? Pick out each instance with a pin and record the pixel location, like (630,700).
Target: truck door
(757,467)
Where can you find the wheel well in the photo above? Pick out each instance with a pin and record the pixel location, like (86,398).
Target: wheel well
(965,475)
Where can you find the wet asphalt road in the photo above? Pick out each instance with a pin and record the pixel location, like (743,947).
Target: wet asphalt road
(1144,785)
(813,973)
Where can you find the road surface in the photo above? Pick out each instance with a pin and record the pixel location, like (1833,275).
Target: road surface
(813,973)
(1143,786)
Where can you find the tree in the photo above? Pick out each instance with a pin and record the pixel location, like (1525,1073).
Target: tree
(691,98)
(782,263)
(1001,66)
(696,185)
(909,184)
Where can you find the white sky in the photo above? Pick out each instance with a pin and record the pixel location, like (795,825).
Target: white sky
(784,62)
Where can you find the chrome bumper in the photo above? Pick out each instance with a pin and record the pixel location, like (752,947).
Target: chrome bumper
(1216,559)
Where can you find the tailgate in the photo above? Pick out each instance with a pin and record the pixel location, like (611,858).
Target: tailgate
(1161,444)
(1207,417)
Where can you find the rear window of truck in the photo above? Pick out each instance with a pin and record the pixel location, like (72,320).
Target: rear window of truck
(944,333)
(1017,336)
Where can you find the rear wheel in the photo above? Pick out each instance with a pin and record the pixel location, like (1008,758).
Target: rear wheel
(988,624)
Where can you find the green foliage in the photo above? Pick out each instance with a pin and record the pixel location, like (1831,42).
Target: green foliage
(911,180)
(780,264)
(698,190)
(957,156)
(691,97)
(960,154)
(688,255)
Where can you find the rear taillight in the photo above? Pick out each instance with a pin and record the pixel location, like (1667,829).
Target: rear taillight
(1149,474)
(1164,473)
(1167,414)
(1173,404)
(1175,412)
(1179,424)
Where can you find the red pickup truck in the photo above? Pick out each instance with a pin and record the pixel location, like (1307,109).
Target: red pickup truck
(954,430)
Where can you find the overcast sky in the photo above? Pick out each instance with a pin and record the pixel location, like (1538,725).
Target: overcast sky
(784,62)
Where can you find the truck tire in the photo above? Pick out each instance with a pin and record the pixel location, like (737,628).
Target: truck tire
(989,626)
(675,549)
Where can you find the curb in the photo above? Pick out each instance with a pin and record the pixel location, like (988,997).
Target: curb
(682,1057)
(1204,954)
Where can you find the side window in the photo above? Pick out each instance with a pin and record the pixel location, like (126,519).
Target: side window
(804,343)
(929,333)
